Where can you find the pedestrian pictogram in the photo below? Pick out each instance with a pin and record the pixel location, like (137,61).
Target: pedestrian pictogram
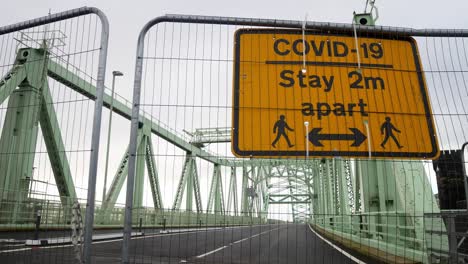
(388,128)
(281,127)
(378,107)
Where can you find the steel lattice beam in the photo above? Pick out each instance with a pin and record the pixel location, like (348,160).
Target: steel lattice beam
(29,106)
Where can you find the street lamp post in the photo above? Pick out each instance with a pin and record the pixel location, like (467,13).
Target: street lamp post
(114,74)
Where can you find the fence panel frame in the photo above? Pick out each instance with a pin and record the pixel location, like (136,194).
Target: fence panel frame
(96,130)
(306,25)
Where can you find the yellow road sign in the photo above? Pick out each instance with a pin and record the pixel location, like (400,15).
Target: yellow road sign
(291,93)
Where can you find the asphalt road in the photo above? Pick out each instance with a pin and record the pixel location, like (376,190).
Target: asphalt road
(291,243)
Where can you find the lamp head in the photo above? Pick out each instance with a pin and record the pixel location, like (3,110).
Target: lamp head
(117,73)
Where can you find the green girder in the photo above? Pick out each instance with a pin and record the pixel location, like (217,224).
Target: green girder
(29,106)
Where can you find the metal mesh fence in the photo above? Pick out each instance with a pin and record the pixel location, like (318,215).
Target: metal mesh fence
(48,70)
(211,87)
(196,76)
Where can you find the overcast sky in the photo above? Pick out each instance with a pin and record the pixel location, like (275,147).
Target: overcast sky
(128,17)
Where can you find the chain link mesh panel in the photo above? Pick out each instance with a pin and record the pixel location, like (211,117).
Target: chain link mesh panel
(49,73)
(191,88)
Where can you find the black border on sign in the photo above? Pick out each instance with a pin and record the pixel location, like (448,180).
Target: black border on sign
(378,154)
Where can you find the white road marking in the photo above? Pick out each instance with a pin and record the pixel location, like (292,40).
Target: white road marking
(107,241)
(119,239)
(338,248)
(211,252)
(15,245)
(230,244)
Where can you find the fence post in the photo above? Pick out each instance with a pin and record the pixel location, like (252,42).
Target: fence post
(38,224)
(452,236)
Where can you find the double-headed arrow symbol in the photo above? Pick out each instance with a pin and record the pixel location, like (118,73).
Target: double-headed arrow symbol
(357,136)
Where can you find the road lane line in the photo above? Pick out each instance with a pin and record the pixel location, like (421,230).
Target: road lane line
(232,243)
(212,251)
(338,248)
(107,241)
(119,239)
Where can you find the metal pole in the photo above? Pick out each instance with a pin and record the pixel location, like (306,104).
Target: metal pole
(132,149)
(306,124)
(114,73)
(452,238)
(465,180)
(93,159)
(366,123)
(38,224)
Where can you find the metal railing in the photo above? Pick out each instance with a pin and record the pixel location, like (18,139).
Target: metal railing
(53,214)
(456,249)
(392,233)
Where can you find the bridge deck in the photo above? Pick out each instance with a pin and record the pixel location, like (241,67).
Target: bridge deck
(253,244)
